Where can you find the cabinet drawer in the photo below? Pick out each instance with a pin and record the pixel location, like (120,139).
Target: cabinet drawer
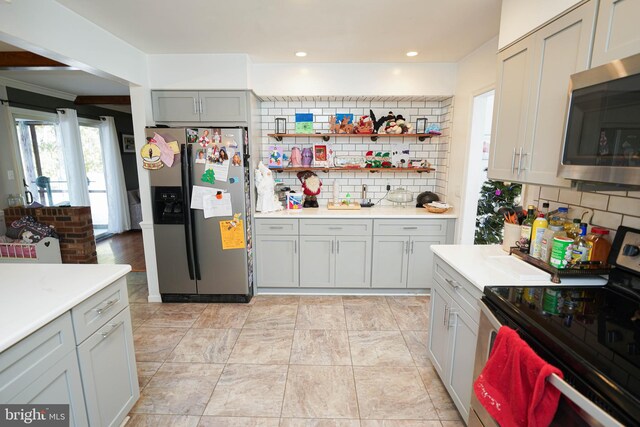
(28,359)
(342,227)
(394,227)
(95,311)
(465,293)
(280,227)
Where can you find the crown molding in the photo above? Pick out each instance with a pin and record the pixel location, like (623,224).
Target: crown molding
(16,84)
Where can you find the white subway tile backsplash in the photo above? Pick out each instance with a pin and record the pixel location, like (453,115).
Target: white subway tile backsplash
(607,219)
(595,200)
(625,205)
(631,221)
(569,197)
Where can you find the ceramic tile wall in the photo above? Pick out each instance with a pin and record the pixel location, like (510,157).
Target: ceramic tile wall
(610,208)
(436,150)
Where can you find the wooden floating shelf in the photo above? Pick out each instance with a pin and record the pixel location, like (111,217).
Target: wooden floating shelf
(371,170)
(373,136)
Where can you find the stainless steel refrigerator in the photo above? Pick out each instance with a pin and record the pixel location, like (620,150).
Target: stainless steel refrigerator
(192,264)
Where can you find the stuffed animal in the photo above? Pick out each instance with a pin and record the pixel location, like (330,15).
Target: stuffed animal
(404,126)
(345,126)
(296,158)
(334,126)
(381,121)
(365,125)
(311,185)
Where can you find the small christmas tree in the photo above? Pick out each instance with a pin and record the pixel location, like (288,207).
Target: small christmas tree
(493,196)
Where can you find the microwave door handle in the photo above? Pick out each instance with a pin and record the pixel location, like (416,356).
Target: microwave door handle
(582,402)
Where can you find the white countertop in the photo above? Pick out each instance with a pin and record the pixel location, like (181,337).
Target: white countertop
(32,295)
(374,212)
(487,265)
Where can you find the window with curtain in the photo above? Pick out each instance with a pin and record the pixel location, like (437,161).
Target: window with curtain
(94,166)
(42,161)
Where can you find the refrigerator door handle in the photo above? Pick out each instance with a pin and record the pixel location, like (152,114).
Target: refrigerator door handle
(186,203)
(191,215)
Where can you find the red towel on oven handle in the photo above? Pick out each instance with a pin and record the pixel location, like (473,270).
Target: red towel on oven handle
(512,387)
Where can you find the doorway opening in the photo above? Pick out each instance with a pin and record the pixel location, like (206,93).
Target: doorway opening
(480,137)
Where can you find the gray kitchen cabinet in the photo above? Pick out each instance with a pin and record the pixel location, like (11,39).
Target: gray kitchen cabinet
(277,261)
(531,98)
(59,384)
(108,368)
(317,261)
(453,331)
(215,107)
(277,258)
(617,34)
(389,262)
(335,253)
(402,256)
(43,369)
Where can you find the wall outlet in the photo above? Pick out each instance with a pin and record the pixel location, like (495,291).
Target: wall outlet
(388,187)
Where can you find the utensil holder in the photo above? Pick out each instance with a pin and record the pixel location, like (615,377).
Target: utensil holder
(511,236)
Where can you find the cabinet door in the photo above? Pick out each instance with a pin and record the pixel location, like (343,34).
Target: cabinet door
(175,106)
(108,366)
(420,269)
(510,109)
(464,334)
(277,261)
(353,262)
(390,255)
(617,34)
(561,49)
(221,106)
(60,384)
(439,330)
(317,261)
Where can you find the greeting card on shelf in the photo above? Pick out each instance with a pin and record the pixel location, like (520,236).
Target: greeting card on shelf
(304,123)
(276,159)
(320,155)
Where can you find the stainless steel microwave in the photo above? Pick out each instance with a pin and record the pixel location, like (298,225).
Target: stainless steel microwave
(602,136)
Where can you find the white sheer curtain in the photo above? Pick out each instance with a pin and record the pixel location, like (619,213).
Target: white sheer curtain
(73,157)
(119,218)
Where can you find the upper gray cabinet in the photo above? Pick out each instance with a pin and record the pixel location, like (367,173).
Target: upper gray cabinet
(617,33)
(531,98)
(199,106)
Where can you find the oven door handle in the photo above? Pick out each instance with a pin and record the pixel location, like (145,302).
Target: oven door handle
(582,402)
(489,315)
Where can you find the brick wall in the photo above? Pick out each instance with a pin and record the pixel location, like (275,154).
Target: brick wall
(436,150)
(73,224)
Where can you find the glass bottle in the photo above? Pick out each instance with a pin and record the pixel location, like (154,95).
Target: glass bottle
(581,248)
(573,228)
(525,229)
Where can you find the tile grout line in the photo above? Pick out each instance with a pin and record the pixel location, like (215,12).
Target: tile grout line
(353,373)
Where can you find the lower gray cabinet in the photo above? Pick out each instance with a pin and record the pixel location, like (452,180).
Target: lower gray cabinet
(59,384)
(277,261)
(108,367)
(453,332)
(317,261)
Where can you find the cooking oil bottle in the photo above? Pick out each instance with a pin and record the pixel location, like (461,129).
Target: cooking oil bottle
(537,231)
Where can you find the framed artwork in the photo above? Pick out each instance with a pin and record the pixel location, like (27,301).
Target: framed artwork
(128,144)
(320,155)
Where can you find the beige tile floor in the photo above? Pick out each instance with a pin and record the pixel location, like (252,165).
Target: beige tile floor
(286,361)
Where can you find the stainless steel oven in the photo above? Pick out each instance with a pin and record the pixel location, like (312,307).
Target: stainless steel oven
(602,135)
(574,409)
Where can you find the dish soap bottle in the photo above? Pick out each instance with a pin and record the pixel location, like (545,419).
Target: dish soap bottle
(537,231)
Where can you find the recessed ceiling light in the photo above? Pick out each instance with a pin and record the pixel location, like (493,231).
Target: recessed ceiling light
(301,54)
(412,53)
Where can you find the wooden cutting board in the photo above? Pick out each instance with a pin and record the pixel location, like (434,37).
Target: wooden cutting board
(350,206)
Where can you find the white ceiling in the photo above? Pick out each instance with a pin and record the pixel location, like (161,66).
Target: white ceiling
(272,30)
(333,31)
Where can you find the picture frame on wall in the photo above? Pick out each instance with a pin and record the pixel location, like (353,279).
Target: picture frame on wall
(128,144)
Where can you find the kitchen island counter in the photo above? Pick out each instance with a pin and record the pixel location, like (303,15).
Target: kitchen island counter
(489,265)
(35,294)
(410,212)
